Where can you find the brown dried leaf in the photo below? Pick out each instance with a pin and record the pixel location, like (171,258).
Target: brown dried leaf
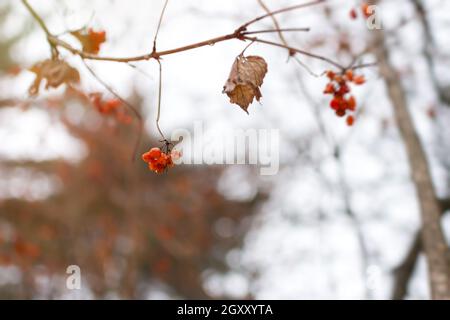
(246,78)
(55,72)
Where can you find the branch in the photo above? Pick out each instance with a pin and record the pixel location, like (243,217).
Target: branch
(428,49)
(40,21)
(444,204)
(278,30)
(239,34)
(403,273)
(274,20)
(159,24)
(126,103)
(292,49)
(271,14)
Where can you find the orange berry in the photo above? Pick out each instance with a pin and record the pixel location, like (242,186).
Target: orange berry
(350,120)
(359,80)
(331,75)
(329,89)
(351,103)
(349,75)
(365,8)
(152,155)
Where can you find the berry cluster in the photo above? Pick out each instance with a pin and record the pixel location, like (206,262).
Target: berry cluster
(339,86)
(111,107)
(159,161)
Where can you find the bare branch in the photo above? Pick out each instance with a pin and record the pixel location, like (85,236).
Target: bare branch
(277,30)
(295,50)
(271,14)
(274,20)
(159,24)
(158,117)
(125,102)
(404,272)
(238,34)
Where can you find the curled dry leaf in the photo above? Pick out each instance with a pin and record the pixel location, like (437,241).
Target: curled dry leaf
(55,72)
(90,40)
(246,78)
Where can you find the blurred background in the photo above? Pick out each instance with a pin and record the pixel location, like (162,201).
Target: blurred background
(336,222)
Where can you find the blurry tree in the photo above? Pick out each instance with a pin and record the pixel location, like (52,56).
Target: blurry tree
(124,227)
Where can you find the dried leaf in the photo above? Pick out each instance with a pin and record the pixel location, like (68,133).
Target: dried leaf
(246,78)
(55,72)
(90,40)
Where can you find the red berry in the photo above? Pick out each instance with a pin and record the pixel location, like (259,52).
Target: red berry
(351,103)
(340,113)
(350,120)
(344,89)
(353,14)
(335,104)
(329,89)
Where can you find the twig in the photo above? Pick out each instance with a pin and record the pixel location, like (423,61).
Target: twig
(40,21)
(158,117)
(275,22)
(271,14)
(292,49)
(125,102)
(238,34)
(161,16)
(277,30)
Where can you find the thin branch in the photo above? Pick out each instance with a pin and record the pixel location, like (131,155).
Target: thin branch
(40,21)
(292,49)
(283,40)
(161,16)
(36,17)
(271,14)
(277,30)
(404,272)
(274,20)
(444,204)
(238,34)
(158,117)
(125,102)
(148,56)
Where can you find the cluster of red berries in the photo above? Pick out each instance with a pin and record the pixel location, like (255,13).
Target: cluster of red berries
(339,86)
(159,161)
(365,9)
(111,107)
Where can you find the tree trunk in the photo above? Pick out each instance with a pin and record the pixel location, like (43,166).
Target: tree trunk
(434,242)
